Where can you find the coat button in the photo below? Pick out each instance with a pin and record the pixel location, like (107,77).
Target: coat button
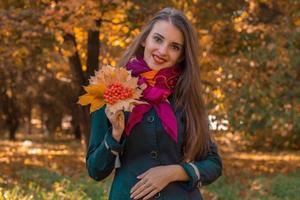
(150,119)
(157,195)
(153,154)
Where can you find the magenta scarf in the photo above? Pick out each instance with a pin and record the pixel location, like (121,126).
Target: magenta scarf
(165,81)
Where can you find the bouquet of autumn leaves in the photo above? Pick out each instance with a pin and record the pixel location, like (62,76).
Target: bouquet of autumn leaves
(113,86)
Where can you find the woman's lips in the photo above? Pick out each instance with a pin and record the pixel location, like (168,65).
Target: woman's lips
(158,60)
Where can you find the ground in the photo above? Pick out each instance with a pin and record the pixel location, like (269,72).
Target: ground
(36,167)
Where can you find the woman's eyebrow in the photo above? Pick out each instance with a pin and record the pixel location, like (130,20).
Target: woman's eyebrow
(159,35)
(176,43)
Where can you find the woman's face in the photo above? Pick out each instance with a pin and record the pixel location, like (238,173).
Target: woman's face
(163,46)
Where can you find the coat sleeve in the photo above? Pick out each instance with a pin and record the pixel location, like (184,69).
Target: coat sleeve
(204,171)
(100,160)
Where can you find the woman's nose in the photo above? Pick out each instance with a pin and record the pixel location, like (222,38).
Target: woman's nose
(163,49)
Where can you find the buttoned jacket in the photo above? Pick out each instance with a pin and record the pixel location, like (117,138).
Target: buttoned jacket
(147,146)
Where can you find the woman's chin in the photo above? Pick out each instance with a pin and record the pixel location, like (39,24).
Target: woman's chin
(157,66)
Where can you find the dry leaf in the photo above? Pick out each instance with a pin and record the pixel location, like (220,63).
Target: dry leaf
(113,86)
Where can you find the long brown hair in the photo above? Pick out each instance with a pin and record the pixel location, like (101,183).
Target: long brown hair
(188,92)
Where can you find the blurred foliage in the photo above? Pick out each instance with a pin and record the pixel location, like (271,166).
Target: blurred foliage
(249,58)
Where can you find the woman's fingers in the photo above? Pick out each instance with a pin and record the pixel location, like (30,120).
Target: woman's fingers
(117,118)
(141,189)
(108,113)
(112,115)
(136,186)
(119,114)
(142,192)
(143,174)
(120,120)
(151,194)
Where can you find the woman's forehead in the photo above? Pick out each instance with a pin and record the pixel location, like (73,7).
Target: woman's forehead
(169,31)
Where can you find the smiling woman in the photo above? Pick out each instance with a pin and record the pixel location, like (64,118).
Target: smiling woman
(163,148)
(163,46)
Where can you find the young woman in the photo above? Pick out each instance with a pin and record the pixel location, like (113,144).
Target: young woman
(163,148)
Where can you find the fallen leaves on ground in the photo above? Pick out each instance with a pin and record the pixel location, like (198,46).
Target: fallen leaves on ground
(66,157)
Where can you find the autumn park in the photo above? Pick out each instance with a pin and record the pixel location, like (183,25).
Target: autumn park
(250,72)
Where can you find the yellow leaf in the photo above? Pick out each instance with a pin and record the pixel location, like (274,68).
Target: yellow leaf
(131,83)
(116,20)
(122,75)
(96,104)
(297,22)
(85,99)
(106,76)
(95,90)
(125,29)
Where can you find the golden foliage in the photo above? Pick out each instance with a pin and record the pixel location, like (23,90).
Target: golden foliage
(102,82)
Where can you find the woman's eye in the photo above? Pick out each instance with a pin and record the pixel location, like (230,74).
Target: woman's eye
(157,39)
(175,47)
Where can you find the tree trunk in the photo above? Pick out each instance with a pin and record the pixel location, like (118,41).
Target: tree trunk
(81,77)
(77,132)
(12,118)
(75,122)
(92,64)
(44,129)
(11,112)
(75,64)
(13,127)
(93,49)
(85,121)
(28,125)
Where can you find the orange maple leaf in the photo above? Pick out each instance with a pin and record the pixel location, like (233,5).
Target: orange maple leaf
(100,91)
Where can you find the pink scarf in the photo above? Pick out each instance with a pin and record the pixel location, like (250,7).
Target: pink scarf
(156,94)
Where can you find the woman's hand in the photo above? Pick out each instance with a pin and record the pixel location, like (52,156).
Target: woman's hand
(117,120)
(152,181)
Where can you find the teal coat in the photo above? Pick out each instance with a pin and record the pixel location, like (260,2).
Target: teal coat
(147,146)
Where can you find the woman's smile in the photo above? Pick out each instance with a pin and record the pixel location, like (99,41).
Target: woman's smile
(158,60)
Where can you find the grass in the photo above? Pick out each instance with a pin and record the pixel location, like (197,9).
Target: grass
(264,187)
(41,184)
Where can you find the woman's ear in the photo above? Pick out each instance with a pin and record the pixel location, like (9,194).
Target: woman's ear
(143,44)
